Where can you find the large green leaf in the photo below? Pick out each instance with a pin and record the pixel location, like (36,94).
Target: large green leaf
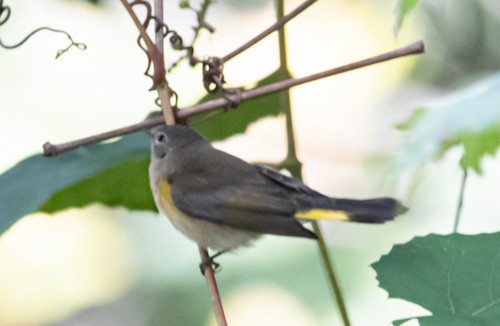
(113,174)
(403,8)
(456,277)
(468,117)
(219,124)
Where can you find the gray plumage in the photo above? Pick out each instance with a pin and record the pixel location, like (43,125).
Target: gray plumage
(227,197)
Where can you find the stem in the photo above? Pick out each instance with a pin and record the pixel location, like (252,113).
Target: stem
(159,28)
(212,283)
(162,88)
(281,21)
(327,261)
(155,53)
(414,48)
(293,164)
(460,201)
(168,115)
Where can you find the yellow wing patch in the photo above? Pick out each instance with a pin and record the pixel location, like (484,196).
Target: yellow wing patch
(323,214)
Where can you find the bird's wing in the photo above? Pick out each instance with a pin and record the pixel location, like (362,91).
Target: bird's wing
(293,184)
(236,195)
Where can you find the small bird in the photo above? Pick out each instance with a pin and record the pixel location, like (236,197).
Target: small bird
(222,202)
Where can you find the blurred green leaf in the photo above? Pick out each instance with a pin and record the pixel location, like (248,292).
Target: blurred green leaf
(468,117)
(403,8)
(113,174)
(456,277)
(477,145)
(235,121)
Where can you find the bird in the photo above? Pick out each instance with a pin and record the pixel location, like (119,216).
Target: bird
(223,203)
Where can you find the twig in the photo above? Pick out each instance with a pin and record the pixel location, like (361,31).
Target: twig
(216,300)
(163,89)
(460,201)
(293,165)
(414,48)
(156,56)
(168,116)
(159,28)
(330,271)
(153,51)
(269,30)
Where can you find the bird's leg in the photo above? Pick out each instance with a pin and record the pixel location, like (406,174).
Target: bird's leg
(210,262)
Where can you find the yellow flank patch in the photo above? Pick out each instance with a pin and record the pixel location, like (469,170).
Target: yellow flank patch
(323,214)
(166,202)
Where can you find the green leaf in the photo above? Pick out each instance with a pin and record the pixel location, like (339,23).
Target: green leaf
(113,174)
(469,117)
(235,121)
(477,145)
(456,277)
(403,8)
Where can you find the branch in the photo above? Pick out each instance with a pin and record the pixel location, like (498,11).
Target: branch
(292,163)
(414,48)
(169,119)
(216,300)
(269,30)
(155,55)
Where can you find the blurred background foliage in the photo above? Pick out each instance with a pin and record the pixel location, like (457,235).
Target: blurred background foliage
(110,266)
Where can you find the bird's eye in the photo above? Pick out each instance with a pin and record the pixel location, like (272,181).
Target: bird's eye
(161,138)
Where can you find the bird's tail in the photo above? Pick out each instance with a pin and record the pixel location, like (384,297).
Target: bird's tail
(378,210)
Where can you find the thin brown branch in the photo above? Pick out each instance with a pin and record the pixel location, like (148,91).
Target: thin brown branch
(169,119)
(153,51)
(414,48)
(162,89)
(155,55)
(269,30)
(159,28)
(216,300)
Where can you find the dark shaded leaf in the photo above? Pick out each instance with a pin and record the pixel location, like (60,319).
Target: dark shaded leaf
(456,277)
(113,174)
(235,121)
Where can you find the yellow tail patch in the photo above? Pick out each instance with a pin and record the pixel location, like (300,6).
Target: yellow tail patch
(323,214)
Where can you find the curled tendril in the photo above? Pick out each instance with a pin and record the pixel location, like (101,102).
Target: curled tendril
(200,13)
(4,17)
(174,38)
(5,12)
(213,77)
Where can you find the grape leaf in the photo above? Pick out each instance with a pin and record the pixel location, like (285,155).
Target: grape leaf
(235,121)
(456,277)
(403,8)
(469,117)
(113,174)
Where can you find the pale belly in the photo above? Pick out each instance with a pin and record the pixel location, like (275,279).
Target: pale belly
(206,234)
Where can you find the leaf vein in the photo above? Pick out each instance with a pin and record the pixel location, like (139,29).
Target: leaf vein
(450,300)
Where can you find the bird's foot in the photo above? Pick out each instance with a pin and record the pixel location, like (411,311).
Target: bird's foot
(210,263)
